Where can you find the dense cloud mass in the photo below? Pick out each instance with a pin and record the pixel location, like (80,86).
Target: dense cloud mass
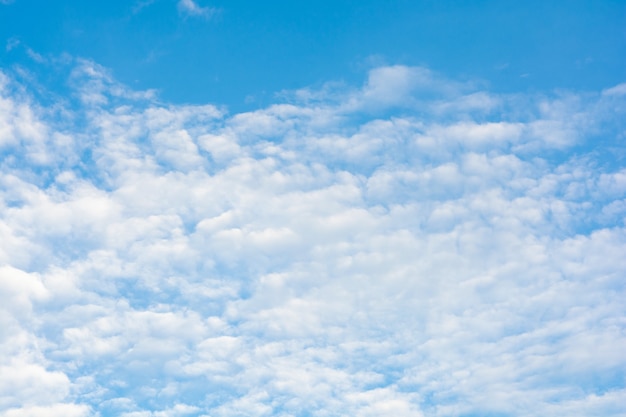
(417,246)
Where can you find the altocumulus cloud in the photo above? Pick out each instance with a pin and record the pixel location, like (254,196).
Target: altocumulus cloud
(416,246)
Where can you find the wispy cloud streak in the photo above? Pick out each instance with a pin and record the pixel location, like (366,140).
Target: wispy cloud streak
(191,8)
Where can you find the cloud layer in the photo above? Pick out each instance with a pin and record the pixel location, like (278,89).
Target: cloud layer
(416,246)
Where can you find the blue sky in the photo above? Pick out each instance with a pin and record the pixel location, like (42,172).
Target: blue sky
(243,49)
(312,208)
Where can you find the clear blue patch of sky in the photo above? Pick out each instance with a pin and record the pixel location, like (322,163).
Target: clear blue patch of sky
(250,50)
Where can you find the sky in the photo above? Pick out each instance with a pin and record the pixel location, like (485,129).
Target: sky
(347,208)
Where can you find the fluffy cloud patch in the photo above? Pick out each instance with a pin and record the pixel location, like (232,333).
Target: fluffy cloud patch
(412,247)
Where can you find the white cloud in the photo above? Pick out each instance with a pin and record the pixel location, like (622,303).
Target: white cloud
(412,247)
(190,7)
(619,89)
(57,410)
(27,383)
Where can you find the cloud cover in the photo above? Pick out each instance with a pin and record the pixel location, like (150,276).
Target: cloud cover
(414,247)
